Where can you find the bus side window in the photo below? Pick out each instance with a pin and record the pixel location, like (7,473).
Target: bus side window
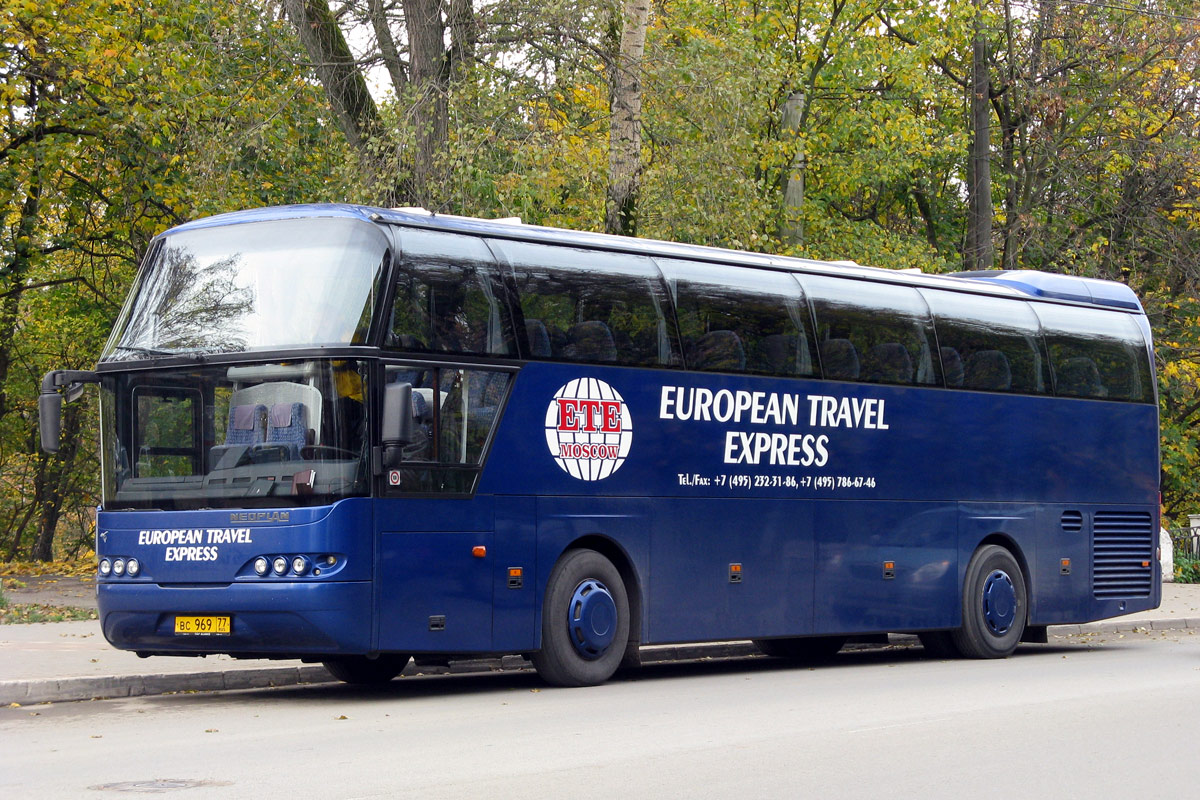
(1096,354)
(448,297)
(735,319)
(887,328)
(611,309)
(988,344)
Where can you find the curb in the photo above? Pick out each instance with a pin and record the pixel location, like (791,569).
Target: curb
(55,690)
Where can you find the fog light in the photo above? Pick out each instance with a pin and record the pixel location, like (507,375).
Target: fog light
(261,565)
(133,567)
(105,568)
(119,567)
(280,564)
(299,565)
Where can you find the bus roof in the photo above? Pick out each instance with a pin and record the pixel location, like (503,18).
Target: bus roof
(1013,283)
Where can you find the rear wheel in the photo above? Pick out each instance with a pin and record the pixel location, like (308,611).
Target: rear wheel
(585,621)
(367,671)
(994,605)
(805,648)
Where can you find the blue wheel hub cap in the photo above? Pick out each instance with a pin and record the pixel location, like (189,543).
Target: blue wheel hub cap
(999,602)
(592,617)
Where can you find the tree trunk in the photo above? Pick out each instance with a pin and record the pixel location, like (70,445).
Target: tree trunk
(429,112)
(791,223)
(978,253)
(345,87)
(625,126)
(51,482)
(14,272)
(387,47)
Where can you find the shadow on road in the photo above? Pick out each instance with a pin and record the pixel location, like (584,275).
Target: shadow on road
(425,686)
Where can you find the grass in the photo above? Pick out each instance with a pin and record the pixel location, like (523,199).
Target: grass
(20,613)
(17,613)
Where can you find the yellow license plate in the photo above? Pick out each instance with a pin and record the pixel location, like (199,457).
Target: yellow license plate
(202,626)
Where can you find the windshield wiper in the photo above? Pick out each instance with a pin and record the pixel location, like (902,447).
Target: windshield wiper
(152,351)
(146,351)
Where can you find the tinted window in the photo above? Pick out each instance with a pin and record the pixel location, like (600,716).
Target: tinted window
(1097,354)
(583,305)
(740,320)
(872,332)
(448,298)
(454,412)
(989,343)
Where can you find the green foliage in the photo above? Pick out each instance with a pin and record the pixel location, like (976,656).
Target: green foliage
(121,119)
(1187,570)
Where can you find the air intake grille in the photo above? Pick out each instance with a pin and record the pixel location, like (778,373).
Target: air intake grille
(1122,554)
(1072,521)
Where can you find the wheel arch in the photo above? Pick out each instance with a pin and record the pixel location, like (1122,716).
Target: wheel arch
(620,559)
(1012,546)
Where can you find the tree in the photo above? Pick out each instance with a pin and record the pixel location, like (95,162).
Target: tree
(121,119)
(625,128)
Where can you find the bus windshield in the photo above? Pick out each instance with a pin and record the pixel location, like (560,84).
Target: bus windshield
(279,434)
(260,285)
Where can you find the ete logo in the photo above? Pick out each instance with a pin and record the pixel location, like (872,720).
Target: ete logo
(588,429)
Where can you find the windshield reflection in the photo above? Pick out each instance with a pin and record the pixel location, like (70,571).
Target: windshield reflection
(254,286)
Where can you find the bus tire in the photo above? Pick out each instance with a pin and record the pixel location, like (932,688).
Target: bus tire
(585,621)
(994,605)
(804,648)
(367,671)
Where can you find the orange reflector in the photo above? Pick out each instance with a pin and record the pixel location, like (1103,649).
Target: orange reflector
(1066,562)
(514,572)
(889,565)
(1145,563)
(479,551)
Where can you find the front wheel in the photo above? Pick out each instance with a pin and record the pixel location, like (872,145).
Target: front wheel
(994,605)
(367,671)
(585,621)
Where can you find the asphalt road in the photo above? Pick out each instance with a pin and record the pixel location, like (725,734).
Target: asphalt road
(1108,716)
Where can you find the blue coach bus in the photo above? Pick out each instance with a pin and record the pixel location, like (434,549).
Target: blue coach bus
(356,435)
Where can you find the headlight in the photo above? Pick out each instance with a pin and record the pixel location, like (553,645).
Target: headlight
(119,567)
(299,565)
(261,565)
(280,564)
(105,568)
(133,567)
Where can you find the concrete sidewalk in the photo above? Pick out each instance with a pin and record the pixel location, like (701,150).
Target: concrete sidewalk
(51,662)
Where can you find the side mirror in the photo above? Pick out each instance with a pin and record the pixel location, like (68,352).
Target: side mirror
(50,402)
(50,420)
(397,425)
